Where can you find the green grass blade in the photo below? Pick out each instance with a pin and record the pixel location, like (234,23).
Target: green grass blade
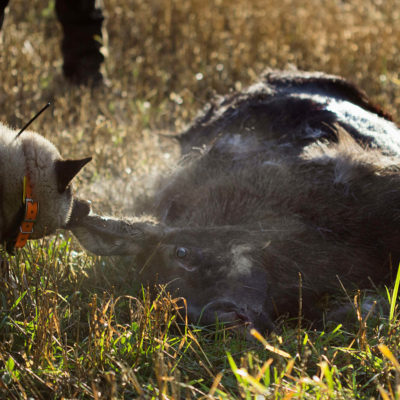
(394,296)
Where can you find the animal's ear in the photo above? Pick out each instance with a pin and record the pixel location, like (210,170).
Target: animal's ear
(113,236)
(66,170)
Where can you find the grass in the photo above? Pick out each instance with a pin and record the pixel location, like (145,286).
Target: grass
(75,326)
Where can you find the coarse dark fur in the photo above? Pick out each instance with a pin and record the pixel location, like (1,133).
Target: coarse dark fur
(295,176)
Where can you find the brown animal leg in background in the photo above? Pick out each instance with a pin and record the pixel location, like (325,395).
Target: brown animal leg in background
(81,22)
(3,5)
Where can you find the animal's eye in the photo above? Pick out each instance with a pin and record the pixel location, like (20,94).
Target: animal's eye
(181,252)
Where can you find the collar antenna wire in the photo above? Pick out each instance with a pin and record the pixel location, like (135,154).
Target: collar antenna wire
(33,118)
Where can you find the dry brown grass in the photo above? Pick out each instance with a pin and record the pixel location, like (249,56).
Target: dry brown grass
(166,59)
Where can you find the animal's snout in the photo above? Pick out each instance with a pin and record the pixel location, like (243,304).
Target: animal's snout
(224,311)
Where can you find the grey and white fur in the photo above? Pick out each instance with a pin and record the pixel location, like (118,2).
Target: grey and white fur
(50,175)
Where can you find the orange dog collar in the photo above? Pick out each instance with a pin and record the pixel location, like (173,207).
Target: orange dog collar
(31,212)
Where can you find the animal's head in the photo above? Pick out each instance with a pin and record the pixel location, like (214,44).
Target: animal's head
(215,269)
(31,155)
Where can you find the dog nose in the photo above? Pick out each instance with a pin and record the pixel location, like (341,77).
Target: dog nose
(80,209)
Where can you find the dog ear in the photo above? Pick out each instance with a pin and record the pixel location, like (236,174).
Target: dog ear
(66,170)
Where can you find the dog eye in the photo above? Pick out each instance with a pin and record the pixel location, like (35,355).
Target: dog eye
(181,252)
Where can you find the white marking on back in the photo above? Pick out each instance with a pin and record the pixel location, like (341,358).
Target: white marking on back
(381,131)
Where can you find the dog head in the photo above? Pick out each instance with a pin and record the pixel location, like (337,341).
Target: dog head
(31,155)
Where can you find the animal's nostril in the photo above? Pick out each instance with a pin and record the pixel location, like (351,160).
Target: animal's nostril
(242,317)
(226,311)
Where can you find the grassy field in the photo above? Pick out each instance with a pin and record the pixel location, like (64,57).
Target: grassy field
(74,326)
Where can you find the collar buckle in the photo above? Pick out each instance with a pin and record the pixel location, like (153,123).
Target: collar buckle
(23,227)
(31,210)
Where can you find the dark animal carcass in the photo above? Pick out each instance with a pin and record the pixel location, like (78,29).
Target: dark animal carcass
(296,176)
